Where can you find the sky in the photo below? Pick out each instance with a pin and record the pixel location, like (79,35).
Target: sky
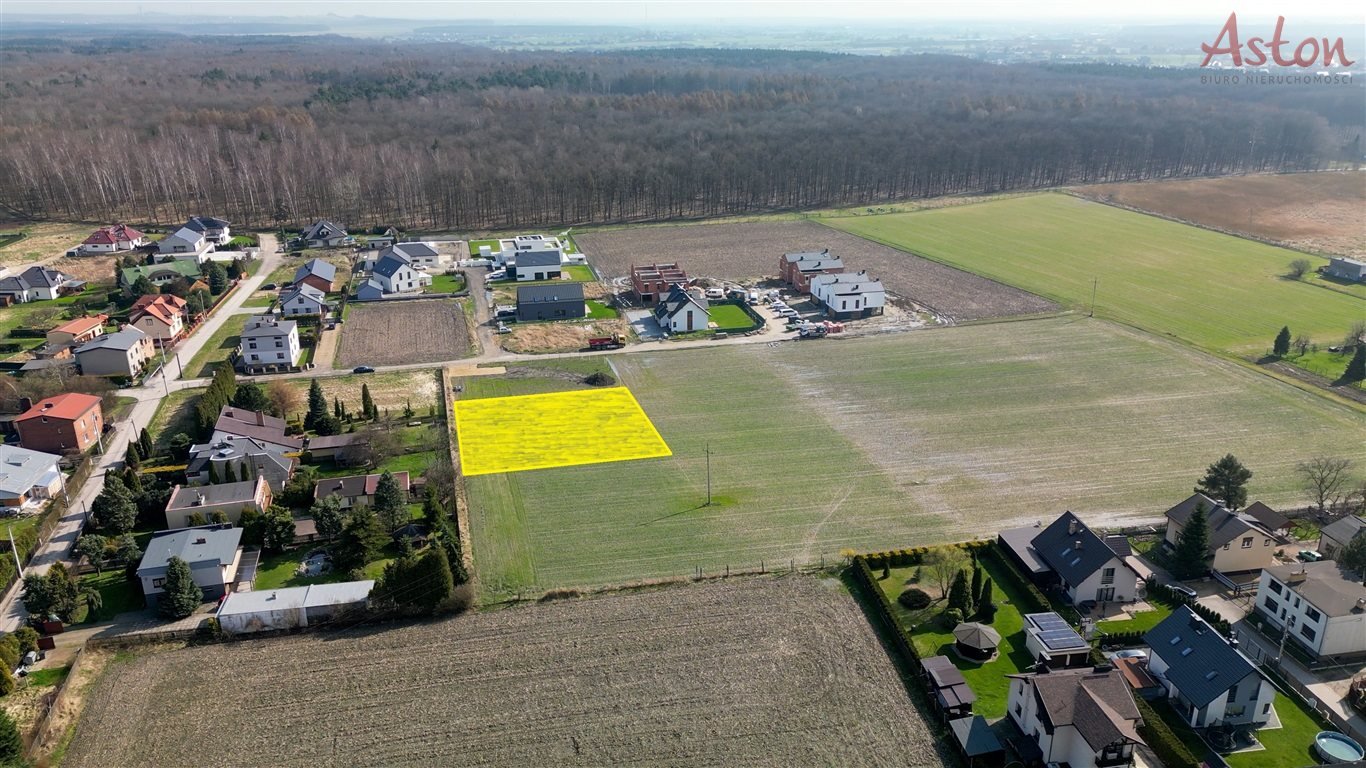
(628,12)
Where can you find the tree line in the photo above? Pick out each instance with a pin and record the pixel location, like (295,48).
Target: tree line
(283,130)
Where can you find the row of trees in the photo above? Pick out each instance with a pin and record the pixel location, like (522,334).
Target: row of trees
(1356,367)
(305,128)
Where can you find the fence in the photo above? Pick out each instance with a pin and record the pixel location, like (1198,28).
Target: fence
(1290,686)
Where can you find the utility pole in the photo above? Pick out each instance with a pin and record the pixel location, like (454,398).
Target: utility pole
(708,449)
(164,383)
(1095,281)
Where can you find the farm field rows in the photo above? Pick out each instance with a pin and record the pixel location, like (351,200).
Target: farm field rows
(390,390)
(741,251)
(893,441)
(770,671)
(397,332)
(1216,291)
(1314,211)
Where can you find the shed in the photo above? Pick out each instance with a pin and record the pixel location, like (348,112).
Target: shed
(291,607)
(976,740)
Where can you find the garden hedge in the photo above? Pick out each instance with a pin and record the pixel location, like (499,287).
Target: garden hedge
(1169,748)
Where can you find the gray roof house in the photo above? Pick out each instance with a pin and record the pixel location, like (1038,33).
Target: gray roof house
(417,254)
(370,290)
(325,234)
(680,311)
(37,284)
(27,476)
(316,272)
(1088,568)
(228,498)
(557,301)
(535,265)
(212,552)
(122,353)
(1339,534)
(268,345)
(1323,604)
(240,422)
(250,458)
(1082,717)
(213,229)
(303,299)
(1346,269)
(1208,680)
(1237,541)
(186,244)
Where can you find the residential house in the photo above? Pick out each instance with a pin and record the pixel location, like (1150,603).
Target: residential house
(651,283)
(325,234)
(216,231)
(355,490)
(228,498)
(123,353)
(316,273)
(395,275)
(535,265)
(370,290)
(77,331)
(1088,570)
(27,477)
(556,301)
(419,255)
(303,299)
(948,687)
(269,345)
(1339,533)
(1237,541)
(162,317)
(681,311)
(385,240)
(1053,643)
(1084,718)
(185,244)
(66,423)
(333,447)
(1209,681)
(247,457)
(1270,519)
(212,552)
(1346,269)
(291,607)
(849,295)
(159,274)
(119,237)
(1322,605)
(239,422)
(797,269)
(38,284)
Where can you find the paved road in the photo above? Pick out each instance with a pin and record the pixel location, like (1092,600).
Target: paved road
(58,546)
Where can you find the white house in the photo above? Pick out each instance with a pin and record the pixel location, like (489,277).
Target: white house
(1209,682)
(37,284)
(185,244)
(1087,568)
(303,299)
(394,274)
(1082,717)
(212,552)
(325,234)
(119,237)
(1322,605)
(681,312)
(1237,541)
(27,476)
(290,607)
(216,231)
(418,255)
(849,294)
(1346,269)
(269,345)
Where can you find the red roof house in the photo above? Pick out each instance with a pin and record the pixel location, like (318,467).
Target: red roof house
(119,237)
(68,423)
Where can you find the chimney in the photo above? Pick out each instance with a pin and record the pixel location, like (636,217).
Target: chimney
(201,540)
(260,419)
(1076,544)
(199,500)
(1072,526)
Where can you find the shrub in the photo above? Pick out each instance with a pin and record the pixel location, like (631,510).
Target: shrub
(1169,748)
(600,379)
(953,617)
(914,599)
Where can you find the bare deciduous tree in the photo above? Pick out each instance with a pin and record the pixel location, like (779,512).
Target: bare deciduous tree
(1301,344)
(284,398)
(1324,478)
(943,564)
(1299,268)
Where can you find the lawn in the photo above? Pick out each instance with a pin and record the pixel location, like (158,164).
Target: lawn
(40,678)
(446,284)
(580,272)
(932,638)
(277,570)
(1216,291)
(174,414)
(729,317)
(1290,746)
(217,348)
(120,595)
(599,311)
(891,441)
(1141,622)
(259,301)
(1329,365)
(494,246)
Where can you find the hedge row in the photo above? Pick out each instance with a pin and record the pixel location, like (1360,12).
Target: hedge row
(1122,638)
(7,347)
(905,558)
(1039,601)
(1174,598)
(1169,748)
(28,333)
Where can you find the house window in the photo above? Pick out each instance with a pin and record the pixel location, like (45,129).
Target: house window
(156,583)
(1018,708)
(1311,614)
(1308,633)
(1107,576)
(1247,542)
(251,345)
(1271,604)
(1232,694)
(1274,586)
(1225,547)
(1266,708)
(1266,542)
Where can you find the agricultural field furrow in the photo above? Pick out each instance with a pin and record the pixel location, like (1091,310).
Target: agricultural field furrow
(398,332)
(755,671)
(897,441)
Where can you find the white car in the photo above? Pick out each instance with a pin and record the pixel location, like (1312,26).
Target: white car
(1132,653)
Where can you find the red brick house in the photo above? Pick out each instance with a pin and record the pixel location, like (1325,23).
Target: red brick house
(652,283)
(68,423)
(162,317)
(797,269)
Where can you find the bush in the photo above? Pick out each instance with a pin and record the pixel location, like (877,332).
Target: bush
(600,379)
(953,617)
(914,599)
(1169,748)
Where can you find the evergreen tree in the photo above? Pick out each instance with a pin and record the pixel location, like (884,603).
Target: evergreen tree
(958,594)
(1356,369)
(448,536)
(64,591)
(114,510)
(133,481)
(215,477)
(367,403)
(327,516)
(196,519)
(180,595)
(317,405)
(436,582)
(389,503)
(986,608)
(361,540)
(145,444)
(37,596)
(976,588)
(1226,481)
(328,425)
(432,511)
(1281,347)
(1192,545)
(229,471)
(251,397)
(131,458)
(278,532)
(336,407)
(219,517)
(6,688)
(408,409)
(1353,556)
(218,280)
(92,547)
(143,287)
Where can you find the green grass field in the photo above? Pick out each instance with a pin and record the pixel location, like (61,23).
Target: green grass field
(599,311)
(1329,365)
(893,441)
(217,348)
(728,317)
(580,272)
(1289,746)
(1216,291)
(174,414)
(446,284)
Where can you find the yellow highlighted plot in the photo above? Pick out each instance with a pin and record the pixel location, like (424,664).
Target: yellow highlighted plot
(560,429)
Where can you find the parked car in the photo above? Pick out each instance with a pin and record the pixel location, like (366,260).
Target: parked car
(504,329)
(497,274)
(1309,556)
(362,369)
(716,293)
(789,312)
(269,287)
(1184,590)
(1132,653)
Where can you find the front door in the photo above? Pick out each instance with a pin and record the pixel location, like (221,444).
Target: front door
(1105,594)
